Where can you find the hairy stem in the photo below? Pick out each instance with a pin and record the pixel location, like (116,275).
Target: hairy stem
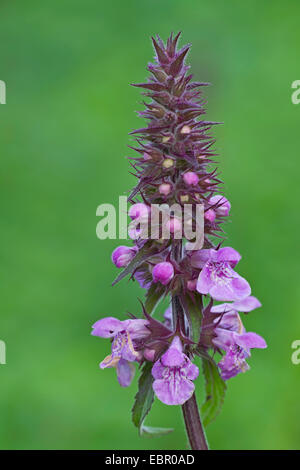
(193,425)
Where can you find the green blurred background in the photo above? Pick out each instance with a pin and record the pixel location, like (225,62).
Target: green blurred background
(67,66)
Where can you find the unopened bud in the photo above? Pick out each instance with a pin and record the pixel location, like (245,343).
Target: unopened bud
(222,205)
(210,215)
(184,198)
(168,163)
(165,189)
(185,130)
(191,178)
(122,256)
(163,272)
(192,284)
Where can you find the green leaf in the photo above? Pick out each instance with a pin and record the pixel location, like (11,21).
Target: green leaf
(153,296)
(215,388)
(144,397)
(149,431)
(192,308)
(143,402)
(139,258)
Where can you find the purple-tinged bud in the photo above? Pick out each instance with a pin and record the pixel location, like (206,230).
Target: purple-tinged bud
(190,178)
(139,210)
(165,189)
(163,272)
(210,215)
(192,284)
(222,204)
(122,255)
(174,225)
(146,156)
(149,354)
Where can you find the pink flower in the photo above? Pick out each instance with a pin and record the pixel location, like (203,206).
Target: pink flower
(173,375)
(124,334)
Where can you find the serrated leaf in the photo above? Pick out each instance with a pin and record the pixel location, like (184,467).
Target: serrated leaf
(141,256)
(215,391)
(144,397)
(153,296)
(149,431)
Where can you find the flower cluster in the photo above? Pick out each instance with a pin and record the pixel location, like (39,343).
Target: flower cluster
(175,165)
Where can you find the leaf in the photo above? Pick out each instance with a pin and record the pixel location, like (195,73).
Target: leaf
(141,256)
(144,397)
(153,296)
(215,391)
(192,308)
(149,431)
(143,402)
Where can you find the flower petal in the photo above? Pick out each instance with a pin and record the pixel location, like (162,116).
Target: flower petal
(228,254)
(246,305)
(200,257)
(173,392)
(107,327)
(204,282)
(250,340)
(125,372)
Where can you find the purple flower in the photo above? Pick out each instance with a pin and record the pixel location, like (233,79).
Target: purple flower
(234,361)
(221,205)
(231,336)
(163,272)
(217,276)
(124,334)
(173,374)
(122,255)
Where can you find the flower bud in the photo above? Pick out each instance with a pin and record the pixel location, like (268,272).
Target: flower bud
(210,215)
(184,198)
(149,354)
(190,178)
(192,284)
(163,272)
(222,205)
(138,211)
(165,189)
(174,225)
(168,163)
(185,130)
(122,255)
